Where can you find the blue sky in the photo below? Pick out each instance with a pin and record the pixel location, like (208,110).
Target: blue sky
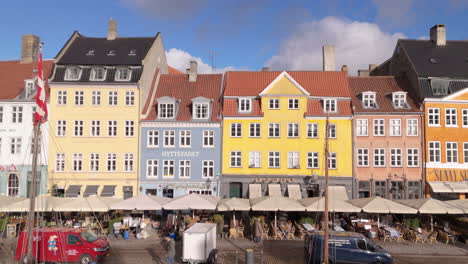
(245,34)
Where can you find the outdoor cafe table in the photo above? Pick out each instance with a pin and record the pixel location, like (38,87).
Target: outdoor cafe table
(393,232)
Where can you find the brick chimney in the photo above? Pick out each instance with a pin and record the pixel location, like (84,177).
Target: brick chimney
(438,35)
(192,71)
(29,48)
(112,30)
(328,52)
(265,68)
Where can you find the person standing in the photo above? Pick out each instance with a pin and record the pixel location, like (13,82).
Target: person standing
(171,249)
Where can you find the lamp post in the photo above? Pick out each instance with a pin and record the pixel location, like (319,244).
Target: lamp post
(208,184)
(218,178)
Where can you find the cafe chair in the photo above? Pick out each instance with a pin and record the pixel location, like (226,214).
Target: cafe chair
(240,231)
(232,233)
(433,237)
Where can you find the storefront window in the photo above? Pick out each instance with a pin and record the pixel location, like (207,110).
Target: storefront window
(397,190)
(381,188)
(168,193)
(13,185)
(364,189)
(414,190)
(235,190)
(153,192)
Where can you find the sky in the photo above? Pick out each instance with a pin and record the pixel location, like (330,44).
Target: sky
(240,34)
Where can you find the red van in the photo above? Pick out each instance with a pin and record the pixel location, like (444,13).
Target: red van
(63,245)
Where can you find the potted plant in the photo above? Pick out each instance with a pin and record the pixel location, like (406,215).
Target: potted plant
(219,220)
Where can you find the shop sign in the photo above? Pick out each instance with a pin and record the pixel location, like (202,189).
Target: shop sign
(446,175)
(180,153)
(8,168)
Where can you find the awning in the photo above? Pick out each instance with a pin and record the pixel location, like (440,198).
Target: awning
(73,191)
(90,190)
(338,192)
(459,187)
(448,187)
(294,191)
(108,191)
(255,191)
(274,190)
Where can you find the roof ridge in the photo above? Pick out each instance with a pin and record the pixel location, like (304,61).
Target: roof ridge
(104,38)
(373,77)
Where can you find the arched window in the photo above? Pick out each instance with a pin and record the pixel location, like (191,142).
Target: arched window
(13,185)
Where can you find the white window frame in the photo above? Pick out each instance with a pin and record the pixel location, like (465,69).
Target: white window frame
(312,130)
(79,98)
(276,130)
(434,150)
(293,160)
(274,104)
(274,159)
(61,128)
(201,111)
(1,114)
(412,157)
(332,161)
(61,97)
(434,114)
(293,130)
(313,158)
(185,138)
(399,99)
(129,164)
(362,157)
(412,127)
(255,159)
(465,152)
(111,162)
(15,145)
(369,100)
(380,124)
(17,114)
(113,98)
(77,162)
(293,103)
(208,138)
(236,130)
(464,118)
(362,127)
(60,162)
(129,98)
(96,98)
(129,128)
(68,73)
(256,129)
(451,113)
(112,128)
(167,166)
(166,112)
(453,150)
(379,157)
(330,106)
(95,126)
(93,74)
(236,159)
(185,169)
(168,138)
(395,127)
(331,131)
(118,74)
(245,105)
(152,139)
(208,169)
(152,167)
(78,128)
(94,162)
(396,157)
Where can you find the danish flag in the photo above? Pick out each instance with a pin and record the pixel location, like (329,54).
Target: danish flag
(40,116)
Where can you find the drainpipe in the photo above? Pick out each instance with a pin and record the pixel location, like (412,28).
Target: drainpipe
(423,151)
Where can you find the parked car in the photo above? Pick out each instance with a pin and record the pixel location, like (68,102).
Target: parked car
(63,245)
(344,247)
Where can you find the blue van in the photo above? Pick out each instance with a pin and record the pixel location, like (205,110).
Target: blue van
(344,247)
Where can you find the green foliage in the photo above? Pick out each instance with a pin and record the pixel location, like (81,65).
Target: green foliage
(307,220)
(3,223)
(412,223)
(219,219)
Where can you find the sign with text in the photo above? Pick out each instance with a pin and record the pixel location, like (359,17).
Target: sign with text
(8,168)
(446,175)
(180,153)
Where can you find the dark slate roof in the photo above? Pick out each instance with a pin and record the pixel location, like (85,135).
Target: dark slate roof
(77,52)
(451,59)
(86,71)
(426,89)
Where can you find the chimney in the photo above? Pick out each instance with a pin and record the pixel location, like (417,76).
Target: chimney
(363,73)
(344,68)
(265,68)
(192,71)
(438,34)
(372,67)
(29,48)
(328,52)
(112,30)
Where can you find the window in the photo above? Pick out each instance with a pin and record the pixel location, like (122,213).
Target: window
(254,130)
(236,130)
(368,100)
(72,73)
(293,130)
(331,131)
(312,130)
(412,127)
(236,159)
(434,151)
(452,152)
(30,87)
(33,111)
(129,128)
(122,74)
(414,190)
(399,100)
(293,160)
(17,112)
(185,137)
(464,117)
(1,114)
(379,157)
(273,130)
(61,128)
(113,97)
(77,162)
(395,157)
(312,160)
(94,162)
(433,116)
(79,97)
(412,157)
(168,168)
(439,86)
(293,103)
(362,127)
(362,157)
(151,168)
(32,145)
(184,168)
(96,98)
(255,159)
(329,105)
(111,162)
(451,117)
(60,162)
(98,74)
(208,138)
(201,111)
(62,97)
(379,127)
(397,190)
(395,127)
(13,185)
(129,98)
(364,189)
(169,138)
(78,128)
(273,104)
(465,152)
(128,162)
(381,189)
(273,159)
(153,138)
(95,128)
(245,105)
(332,160)
(112,128)
(15,146)
(166,111)
(208,169)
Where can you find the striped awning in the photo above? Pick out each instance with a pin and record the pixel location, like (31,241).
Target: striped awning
(294,191)
(73,191)
(255,191)
(274,190)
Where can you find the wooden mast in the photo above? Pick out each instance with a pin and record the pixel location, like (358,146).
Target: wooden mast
(325,213)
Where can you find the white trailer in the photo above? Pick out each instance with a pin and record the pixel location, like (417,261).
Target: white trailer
(199,240)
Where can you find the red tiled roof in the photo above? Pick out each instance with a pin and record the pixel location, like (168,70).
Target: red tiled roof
(179,87)
(383,86)
(315,108)
(13,74)
(174,70)
(230,108)
(251,83)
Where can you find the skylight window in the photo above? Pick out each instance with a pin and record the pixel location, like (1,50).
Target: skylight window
(111,53)
(132,52)
(433,60)
(90,52)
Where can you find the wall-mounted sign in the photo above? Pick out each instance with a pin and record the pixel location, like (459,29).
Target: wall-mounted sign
(180,153)
(8,168)
(446,175)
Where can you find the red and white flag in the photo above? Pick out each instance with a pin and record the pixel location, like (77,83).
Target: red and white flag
(41,107)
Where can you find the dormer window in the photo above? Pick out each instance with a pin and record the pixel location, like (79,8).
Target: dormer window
(72,73)
(132,52)
(90,52)
(368,100)
(122,74)
(329,105)
(399,100)
(439,86)
(111,53)
(166,111)
(200,111)
(245,105)
(98,74)
(29,87)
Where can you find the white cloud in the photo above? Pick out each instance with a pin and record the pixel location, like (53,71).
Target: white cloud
(166,8)
(180,60)
(357,44)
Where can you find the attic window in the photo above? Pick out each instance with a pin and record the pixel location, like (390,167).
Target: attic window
(439,86)
(90,52)
(132,52)
(111,53)
(368,100)
(122,74)
(329,105)
(433,60)
(30,87)
(72,73)
(399,100)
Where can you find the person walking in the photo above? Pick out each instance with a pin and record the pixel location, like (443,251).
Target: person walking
(171,249)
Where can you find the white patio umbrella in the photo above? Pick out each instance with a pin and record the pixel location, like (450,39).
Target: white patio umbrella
(43,203)
(140,202)
(87,204)
(193,202)
(317,204)
(461,203)
(7,200)
(276,203)
(234,204)
(382,206)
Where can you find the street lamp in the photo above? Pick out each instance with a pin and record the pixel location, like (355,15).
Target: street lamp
(208,184)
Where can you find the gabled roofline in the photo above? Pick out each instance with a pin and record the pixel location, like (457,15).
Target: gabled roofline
(67,45)
(458,93)
(291,79)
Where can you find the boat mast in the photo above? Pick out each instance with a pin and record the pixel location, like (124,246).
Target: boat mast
(325,213)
